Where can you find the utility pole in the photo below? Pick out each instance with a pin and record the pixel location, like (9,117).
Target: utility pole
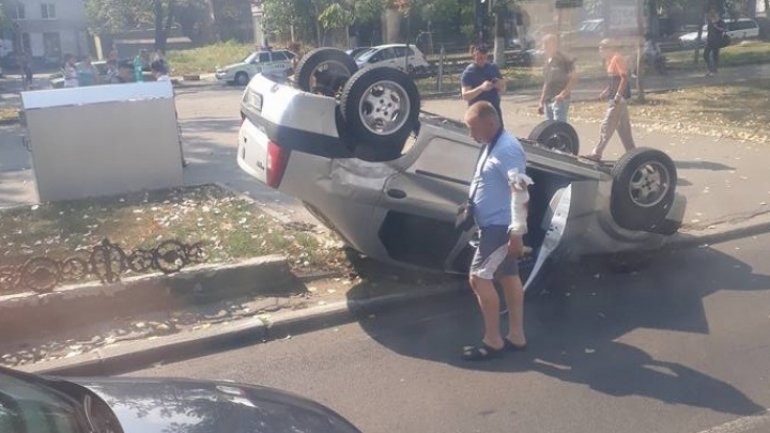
(640,31)
(499,9)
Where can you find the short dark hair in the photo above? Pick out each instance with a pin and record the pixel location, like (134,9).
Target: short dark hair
(481,48)
(159,66)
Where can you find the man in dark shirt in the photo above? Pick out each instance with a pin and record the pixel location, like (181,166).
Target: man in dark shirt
(482,81)
(558,81)
(714,37)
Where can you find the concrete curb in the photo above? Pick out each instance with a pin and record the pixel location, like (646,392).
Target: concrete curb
(86,303)
(112,360)
(724,232)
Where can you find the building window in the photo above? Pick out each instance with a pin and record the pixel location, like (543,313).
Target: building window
(19,13)
(26,43)
(48,11)
(52,45)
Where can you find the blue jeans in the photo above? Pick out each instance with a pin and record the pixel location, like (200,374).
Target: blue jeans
(557,110)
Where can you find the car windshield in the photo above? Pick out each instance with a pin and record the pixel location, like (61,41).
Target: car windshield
(590,26)
(250,58)
(364,56)
(32,407)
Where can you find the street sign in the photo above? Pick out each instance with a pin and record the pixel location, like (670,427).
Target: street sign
(566,4)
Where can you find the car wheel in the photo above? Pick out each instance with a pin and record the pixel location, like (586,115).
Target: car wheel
(380,108)
(325,71)
(556,135)
(241,78)
(643,187)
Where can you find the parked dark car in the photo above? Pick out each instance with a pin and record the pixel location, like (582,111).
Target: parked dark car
(37,404)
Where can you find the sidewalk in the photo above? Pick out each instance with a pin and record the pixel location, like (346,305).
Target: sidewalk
(723,180)
(589,88)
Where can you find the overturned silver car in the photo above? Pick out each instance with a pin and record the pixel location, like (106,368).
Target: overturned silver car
(389,179)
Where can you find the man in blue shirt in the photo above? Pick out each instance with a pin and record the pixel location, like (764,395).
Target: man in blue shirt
(499,194)
(482,81)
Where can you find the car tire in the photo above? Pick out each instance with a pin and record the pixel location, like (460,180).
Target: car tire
(556,135)
(241,78)
(643,187)
(380,108)
(325,71)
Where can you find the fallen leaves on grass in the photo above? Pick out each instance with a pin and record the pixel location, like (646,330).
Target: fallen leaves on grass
(738,111)
(230,227)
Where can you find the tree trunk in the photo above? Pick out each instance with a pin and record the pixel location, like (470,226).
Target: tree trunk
(169,22)
(208,32)
(499,50)
(767,8)
(700,36)
(640,28)
(160,36)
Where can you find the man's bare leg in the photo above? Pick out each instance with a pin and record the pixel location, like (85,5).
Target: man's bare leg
(513,291)
(489,302)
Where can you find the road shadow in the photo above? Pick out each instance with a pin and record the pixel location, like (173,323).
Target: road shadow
(573,331)
(702,165)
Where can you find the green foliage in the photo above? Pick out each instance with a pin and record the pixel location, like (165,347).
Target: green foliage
(439,11)
(366,11)
(335,17)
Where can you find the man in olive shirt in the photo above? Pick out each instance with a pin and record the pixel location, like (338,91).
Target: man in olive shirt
(559,80)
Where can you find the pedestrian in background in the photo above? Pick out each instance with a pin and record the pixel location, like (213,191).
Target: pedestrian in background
(25,65)
(482,81)
(498,199)
(70,71)
(617,92)
(559,79)
(714,41)
(112,71)
(88,75)
(140,62)
(125,72)
(159,71)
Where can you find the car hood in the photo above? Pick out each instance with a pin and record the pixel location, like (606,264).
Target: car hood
(233,66)
(159,406)
(690,36)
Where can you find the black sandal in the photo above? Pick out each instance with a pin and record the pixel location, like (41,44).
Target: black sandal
(481,353)
(511,347)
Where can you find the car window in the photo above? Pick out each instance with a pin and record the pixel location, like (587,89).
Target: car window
(365,55)
(264,57)
(27,407)
(279,56)
(399,51)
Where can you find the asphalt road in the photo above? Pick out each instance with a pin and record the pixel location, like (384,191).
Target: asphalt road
(210,118)
(680,347)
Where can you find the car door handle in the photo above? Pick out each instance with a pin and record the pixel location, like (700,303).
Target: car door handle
(396,193)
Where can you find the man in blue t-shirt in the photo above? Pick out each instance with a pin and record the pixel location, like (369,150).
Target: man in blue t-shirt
(482,81)
(499,194)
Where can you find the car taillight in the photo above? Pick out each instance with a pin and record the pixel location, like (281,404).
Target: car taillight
(277,158)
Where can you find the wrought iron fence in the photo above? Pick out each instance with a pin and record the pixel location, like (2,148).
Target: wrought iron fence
(107,261)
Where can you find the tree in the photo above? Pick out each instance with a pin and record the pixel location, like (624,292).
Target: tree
(162,31)
(120,15)
(336,17)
